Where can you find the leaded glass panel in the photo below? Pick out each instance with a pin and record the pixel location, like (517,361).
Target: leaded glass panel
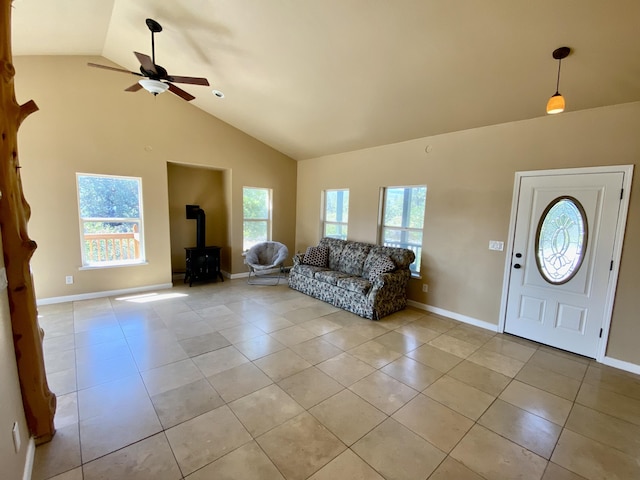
(561,240)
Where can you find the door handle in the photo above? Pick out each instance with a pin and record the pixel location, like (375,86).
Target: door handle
(517,265)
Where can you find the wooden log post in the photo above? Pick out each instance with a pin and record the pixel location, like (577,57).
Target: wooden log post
(39,403)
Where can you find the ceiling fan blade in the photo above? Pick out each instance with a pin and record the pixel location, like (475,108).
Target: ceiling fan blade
(133,88)
(146,62)
(113,68)
(181,93)
(190,80)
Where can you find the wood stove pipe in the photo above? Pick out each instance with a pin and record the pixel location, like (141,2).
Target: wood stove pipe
(195,212)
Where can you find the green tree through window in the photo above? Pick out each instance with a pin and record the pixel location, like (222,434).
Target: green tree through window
(403,219)
(256,209)
(336,213)
(110,211)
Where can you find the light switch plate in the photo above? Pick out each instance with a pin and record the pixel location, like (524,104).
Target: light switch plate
(496,245)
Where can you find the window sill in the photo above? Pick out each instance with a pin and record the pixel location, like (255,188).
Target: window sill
(112,265)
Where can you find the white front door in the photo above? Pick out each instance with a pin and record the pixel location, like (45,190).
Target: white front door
(562,257)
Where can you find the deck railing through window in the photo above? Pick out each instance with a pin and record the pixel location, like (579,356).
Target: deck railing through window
(112,247)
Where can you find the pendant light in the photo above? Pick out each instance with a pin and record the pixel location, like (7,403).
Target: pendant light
(556,102)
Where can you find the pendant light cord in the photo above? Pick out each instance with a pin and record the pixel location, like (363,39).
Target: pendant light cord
(558,80)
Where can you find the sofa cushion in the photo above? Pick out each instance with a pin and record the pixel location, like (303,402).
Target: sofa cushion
(381,264)
(335,246)
(309,270)
(355,284)
(316,256)
(353,256)
(330,276)
(400,256)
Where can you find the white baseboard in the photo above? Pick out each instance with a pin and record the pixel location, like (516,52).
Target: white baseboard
(179,277)
(621,364)
(28,463)
(453,315)
(233,276)
(611,362)
(107,293)
(230,276)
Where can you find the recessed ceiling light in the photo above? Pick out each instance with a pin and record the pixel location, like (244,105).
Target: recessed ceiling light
(218,93)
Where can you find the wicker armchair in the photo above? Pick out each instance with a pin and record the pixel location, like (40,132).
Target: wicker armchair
(262,259)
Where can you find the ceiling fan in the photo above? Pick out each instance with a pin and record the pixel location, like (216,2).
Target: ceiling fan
(156,79)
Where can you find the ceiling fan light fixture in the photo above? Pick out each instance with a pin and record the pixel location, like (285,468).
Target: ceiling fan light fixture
(556,102)
(153,86)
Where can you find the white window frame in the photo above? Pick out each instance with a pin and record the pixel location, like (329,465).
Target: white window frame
(137,236)
(405,228)
(268,220)
(340,199)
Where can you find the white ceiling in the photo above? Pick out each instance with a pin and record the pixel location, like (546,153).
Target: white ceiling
(312,78)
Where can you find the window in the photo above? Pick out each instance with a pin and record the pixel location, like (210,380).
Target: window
(561,240)
(403,219)
(256,208)
(336,213)
(110,220)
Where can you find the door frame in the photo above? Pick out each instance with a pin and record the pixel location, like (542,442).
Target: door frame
(627,170)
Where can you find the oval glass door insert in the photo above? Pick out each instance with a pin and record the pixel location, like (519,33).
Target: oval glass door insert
(561,240)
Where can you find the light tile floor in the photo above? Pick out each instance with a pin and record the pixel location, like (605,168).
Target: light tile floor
(230,381)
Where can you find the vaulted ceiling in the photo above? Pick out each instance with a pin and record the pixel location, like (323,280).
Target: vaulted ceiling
(312,78)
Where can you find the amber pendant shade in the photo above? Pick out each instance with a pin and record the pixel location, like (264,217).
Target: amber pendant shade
(555,104)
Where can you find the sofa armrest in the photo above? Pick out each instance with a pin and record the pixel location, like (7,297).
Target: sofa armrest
(399,278)
(390,283)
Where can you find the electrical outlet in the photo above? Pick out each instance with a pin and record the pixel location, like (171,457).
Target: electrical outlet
(68,279)
(425,287)
(496,245)
(15,432)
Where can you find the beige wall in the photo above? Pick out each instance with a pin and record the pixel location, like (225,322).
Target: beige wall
(13,463)
(87,123)
(469,177)
(196,186)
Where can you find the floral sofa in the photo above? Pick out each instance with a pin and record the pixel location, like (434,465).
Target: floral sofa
(368,280)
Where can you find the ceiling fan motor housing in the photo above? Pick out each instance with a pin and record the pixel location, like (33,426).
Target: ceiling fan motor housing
(159,74)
